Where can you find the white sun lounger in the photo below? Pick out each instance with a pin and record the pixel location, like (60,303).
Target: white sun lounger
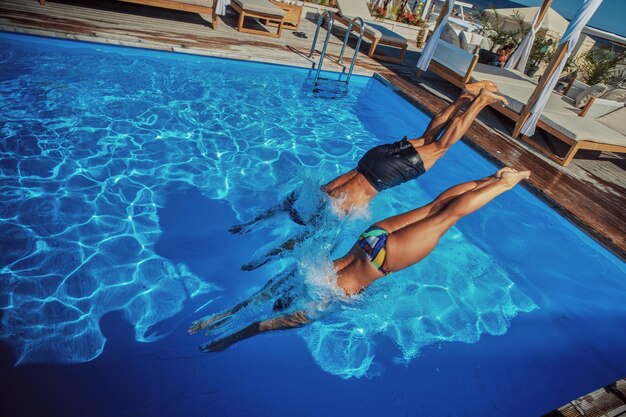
(374,32)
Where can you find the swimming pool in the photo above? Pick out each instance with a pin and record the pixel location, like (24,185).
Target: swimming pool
(122,170)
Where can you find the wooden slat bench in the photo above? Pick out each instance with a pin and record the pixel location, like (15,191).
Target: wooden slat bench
(192,6)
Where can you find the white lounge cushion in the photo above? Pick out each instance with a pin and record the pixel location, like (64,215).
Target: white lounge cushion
(615,120)
(576,88)
(382,33)
(618,94)
(517,94)
(594,91)
(469,41)
(260,6)
(353,8)
(580,128)
(561,104)
(601,107)
(495,74)
(451,57)
(450,36)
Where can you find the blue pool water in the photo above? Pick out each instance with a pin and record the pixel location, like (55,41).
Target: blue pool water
(121,172)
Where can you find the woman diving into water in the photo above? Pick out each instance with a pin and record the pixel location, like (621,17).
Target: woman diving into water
(389,165)
(388,246)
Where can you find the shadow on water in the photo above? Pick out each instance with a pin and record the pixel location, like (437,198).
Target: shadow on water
(195,233)
(57,389)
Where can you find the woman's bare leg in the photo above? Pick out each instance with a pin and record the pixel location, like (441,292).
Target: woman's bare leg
(268,291)
(432,152)
(411,244)
(391,224)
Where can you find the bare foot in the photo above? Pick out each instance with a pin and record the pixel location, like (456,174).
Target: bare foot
(502,170)
(491,97)
(511,178)
(474,88)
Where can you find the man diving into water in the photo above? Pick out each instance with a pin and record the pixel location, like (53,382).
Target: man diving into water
(389,165)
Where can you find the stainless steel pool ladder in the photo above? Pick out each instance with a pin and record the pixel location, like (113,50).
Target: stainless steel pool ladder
(329,19)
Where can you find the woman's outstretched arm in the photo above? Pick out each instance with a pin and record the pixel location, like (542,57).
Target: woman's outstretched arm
(269,290)
(297,319)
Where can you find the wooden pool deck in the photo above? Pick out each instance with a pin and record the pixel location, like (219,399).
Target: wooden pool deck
(609,401)
(591,192)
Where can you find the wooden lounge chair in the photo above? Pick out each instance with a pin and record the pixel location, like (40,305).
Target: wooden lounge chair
(374,32)
(259,9)
(599,125)
(582,131)
(193,6)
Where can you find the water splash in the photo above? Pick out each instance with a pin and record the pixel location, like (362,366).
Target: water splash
(455,295)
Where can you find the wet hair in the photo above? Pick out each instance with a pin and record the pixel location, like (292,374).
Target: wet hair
(282,303)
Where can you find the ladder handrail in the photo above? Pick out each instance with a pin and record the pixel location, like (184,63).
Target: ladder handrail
(358,44)
(328,14)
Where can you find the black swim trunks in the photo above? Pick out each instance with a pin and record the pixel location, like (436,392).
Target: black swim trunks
(386,166)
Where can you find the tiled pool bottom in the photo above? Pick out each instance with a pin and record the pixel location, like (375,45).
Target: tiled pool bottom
(132,178)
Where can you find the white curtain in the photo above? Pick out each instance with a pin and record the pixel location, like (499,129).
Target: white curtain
(518,60)
(584,13)
(378,3)
(425,8)
(220,7)
(431,45)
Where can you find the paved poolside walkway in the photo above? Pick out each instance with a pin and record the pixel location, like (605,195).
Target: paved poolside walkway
(591,191)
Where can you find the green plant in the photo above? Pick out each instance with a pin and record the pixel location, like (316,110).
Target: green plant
(421,35)
(493,29)
(378,12)
(542,49)
(599,65)
(393,12)
(618,79)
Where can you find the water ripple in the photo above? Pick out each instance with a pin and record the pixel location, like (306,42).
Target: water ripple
(86,162)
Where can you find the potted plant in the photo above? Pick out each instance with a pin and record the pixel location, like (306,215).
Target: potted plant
(493,29)
(378,13)
(599,64)
(541,51)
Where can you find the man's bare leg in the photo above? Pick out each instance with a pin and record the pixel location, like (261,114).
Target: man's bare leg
(442,119)
(432,152)
(269,290)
